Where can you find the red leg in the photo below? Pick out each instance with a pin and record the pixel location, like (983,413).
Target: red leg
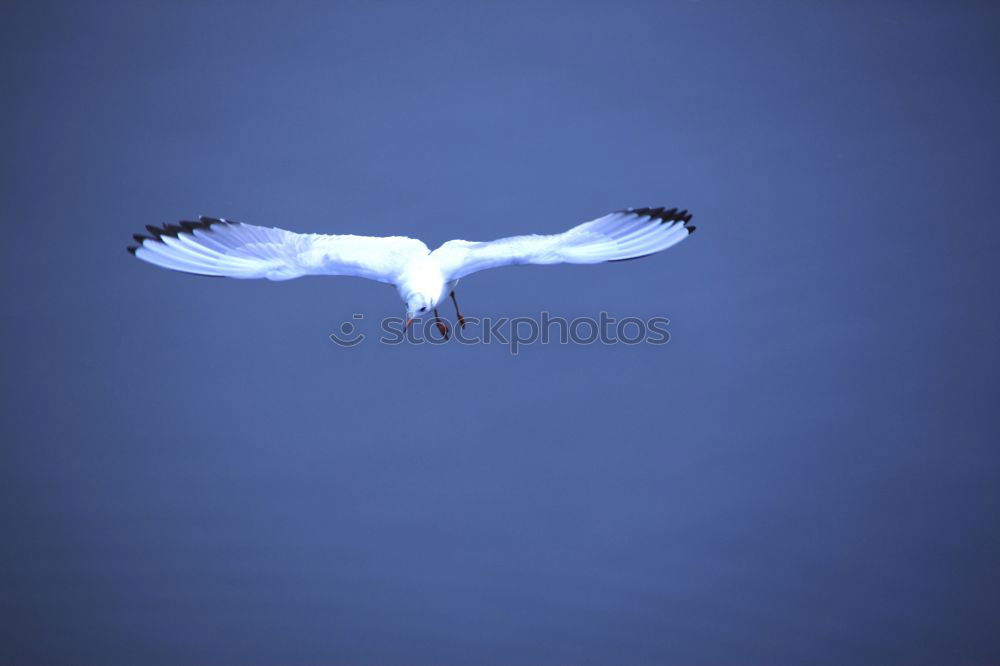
(441,326)
(461,319)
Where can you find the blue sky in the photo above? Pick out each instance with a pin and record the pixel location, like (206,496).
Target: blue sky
(806,474)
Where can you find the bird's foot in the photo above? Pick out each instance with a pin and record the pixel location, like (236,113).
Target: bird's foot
(441,326)
(461,320)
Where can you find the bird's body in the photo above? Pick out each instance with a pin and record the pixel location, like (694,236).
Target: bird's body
(423,278)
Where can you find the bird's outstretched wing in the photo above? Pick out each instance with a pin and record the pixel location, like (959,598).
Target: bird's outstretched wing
(625,234)
(232,249)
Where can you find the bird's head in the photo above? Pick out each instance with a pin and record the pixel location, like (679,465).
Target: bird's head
(416,306)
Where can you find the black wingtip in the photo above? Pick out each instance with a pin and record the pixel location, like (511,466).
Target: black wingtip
(662,215)
(172,230)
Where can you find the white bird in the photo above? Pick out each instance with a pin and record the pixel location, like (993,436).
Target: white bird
(225,248)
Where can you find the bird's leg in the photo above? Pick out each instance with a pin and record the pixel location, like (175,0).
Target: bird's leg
(443,327)
(461,319)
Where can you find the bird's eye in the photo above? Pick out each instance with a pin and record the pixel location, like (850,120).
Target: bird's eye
(423,309)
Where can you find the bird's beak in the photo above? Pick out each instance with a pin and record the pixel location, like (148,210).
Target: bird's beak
(407,324)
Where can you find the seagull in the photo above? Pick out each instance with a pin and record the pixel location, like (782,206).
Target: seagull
(224,248)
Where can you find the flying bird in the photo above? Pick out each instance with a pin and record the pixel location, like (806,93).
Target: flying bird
(224,248)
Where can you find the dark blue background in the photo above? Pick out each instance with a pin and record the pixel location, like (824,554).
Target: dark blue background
(192,473)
